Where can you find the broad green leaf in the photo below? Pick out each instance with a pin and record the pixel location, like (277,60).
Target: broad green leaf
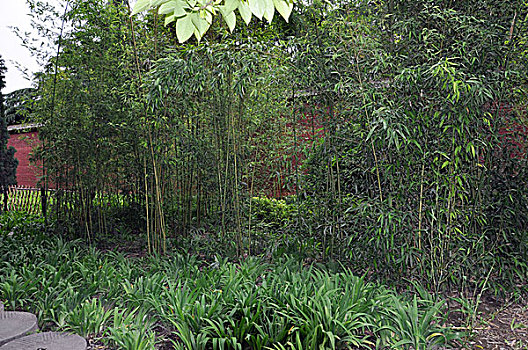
(230,19)
(197,34)
(257,7)
(223,10)
(269,9)
(173,6)
(140,6)
(208,16)
(245,12)
(284,7)
(200,23)
(167,8)
(231,5)
(184,28)
(194,12)
(170,19)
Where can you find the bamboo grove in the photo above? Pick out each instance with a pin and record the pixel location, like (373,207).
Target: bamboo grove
(388,135)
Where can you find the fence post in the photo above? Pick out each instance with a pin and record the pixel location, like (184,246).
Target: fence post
(5,192)
(44,203)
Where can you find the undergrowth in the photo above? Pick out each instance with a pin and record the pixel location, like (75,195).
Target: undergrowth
(183,302)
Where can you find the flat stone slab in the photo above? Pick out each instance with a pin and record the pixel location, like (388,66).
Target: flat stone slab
(47,341)
(14,325)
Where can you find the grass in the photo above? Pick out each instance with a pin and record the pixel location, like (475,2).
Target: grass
(187,303)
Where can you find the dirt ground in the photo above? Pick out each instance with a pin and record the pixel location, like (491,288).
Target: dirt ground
(498,326)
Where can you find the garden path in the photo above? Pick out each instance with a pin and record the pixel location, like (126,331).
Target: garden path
(15,334)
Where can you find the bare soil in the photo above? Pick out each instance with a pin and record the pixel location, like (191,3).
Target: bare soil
(498,326)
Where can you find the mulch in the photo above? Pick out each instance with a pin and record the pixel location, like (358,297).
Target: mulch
(499,325)
(506,328)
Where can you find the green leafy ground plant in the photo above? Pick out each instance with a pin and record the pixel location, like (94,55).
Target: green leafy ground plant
(198,304)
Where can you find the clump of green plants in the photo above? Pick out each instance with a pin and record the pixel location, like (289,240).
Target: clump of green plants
(271,212)
(12,221)
(189,303)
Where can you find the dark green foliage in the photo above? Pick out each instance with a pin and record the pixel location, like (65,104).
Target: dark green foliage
(91,147)
(411,173)
(404,171)
(8,162)
(18,105)
(3,70)
(178,300)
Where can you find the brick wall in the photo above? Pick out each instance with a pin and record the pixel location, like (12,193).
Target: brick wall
(27,174)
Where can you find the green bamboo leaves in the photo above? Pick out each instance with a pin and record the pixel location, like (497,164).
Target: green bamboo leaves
(196,16)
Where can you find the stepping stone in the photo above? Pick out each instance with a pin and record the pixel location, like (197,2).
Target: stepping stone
(14,325)
(47,341)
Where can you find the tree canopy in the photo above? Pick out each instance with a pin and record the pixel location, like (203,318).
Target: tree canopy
(8,162)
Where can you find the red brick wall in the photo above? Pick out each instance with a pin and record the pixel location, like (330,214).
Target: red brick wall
(27,174)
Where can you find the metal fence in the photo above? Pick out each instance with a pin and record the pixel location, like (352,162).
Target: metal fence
(26,199)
